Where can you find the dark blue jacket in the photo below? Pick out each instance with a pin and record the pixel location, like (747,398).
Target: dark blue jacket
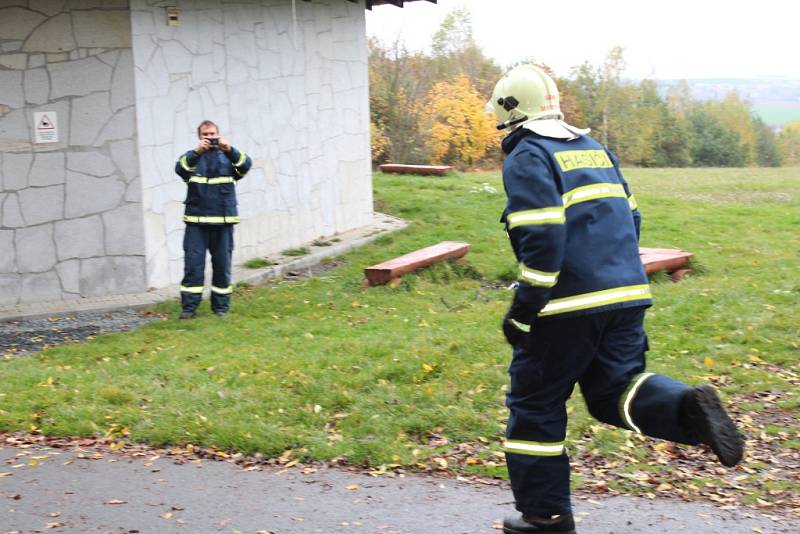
(573,225)
(211,177)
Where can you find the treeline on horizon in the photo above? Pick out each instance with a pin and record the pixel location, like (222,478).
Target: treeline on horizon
(427,108)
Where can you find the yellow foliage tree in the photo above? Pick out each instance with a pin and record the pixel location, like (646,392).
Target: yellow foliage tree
(379,142)
(734,114)
(454,125)
(789,143)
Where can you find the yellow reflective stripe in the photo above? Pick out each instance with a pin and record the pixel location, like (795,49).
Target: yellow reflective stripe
(222,290)
(191,289)
(550,215)
(627,398)
(185,164)
(596,298)
(211,220)
(242,159)
(569,160)
(534,448)
(592,192)
(632,201)
(520,326)
(537,278)
(212,181)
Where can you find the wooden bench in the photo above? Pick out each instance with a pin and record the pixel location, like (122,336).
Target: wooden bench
(385,272)
(396,168)
(672,260)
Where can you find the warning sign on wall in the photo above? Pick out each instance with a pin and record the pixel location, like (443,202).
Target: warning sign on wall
(45,127)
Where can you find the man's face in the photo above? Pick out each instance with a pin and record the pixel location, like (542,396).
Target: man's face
(209,132)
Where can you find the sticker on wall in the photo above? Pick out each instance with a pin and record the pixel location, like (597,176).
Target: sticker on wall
(45,127)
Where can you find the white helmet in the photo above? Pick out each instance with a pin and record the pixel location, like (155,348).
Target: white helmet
(528,96)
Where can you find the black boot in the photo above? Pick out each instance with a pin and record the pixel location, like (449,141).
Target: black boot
(704,415)
(526,524)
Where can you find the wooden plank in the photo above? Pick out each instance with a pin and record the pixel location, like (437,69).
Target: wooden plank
(663,259)
(680,274)
(397,168)
(386,271)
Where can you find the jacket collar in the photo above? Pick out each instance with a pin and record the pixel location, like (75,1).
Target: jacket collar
(510,141)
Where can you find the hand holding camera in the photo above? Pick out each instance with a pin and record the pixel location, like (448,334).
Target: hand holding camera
(210,143)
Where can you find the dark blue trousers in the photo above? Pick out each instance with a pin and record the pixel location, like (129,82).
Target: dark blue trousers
(604,353)
(218,240)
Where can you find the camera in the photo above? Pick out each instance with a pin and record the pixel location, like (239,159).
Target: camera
(214,141)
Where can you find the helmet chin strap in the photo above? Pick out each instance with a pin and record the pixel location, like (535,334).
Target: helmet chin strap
(511,122)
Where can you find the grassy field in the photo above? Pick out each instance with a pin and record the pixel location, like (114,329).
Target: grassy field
(413,376)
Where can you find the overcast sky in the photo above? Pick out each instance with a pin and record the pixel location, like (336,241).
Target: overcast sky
(663,39)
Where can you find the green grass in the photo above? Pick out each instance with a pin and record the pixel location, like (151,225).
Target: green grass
(301,251)
(399,375)
(258,263)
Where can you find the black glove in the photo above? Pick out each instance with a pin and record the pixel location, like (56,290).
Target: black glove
(517,325)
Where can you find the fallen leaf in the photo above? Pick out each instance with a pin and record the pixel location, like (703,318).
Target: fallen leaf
(116,501)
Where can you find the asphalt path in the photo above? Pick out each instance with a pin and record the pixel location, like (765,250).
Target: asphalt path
(52,490)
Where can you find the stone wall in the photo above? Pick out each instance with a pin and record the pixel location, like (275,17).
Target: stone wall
(289,87)
(70,212)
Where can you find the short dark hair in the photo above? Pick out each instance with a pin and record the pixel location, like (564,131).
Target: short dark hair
(206,123)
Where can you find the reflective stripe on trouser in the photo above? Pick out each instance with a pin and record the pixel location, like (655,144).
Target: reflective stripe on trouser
(218,240)
(604,352)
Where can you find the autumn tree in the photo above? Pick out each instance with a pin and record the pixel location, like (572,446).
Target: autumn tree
(397,83)
(453,120)
(454,52)
(734,114)
(767,153)
(713,145)
(789,143)
(428,107)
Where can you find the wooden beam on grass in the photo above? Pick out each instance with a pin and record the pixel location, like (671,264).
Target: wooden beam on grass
(383,273)
(397,168)
(664,259)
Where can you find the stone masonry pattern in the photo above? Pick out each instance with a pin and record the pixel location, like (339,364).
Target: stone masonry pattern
(100,212)
(71,222)
(287,83)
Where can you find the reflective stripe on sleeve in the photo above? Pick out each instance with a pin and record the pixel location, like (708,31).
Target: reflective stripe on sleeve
(521,326)
(537,278)
(627,398)
(222,290)
(632,202)
(242,159)
(550,215)
(592,192)
(230,219)
(212,181)
(534,448)
(596,299)
(191,289)
(185,164)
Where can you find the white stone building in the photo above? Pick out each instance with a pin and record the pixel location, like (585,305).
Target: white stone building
(99,97)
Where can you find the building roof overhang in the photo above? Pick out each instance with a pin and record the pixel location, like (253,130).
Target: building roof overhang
(399,3)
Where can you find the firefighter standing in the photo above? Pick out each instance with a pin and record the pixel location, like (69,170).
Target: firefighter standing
(210,171)
(578,310)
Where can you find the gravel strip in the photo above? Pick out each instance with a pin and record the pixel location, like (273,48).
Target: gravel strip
(18,338)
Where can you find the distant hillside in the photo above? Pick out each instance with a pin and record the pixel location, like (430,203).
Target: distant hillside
(775,100)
